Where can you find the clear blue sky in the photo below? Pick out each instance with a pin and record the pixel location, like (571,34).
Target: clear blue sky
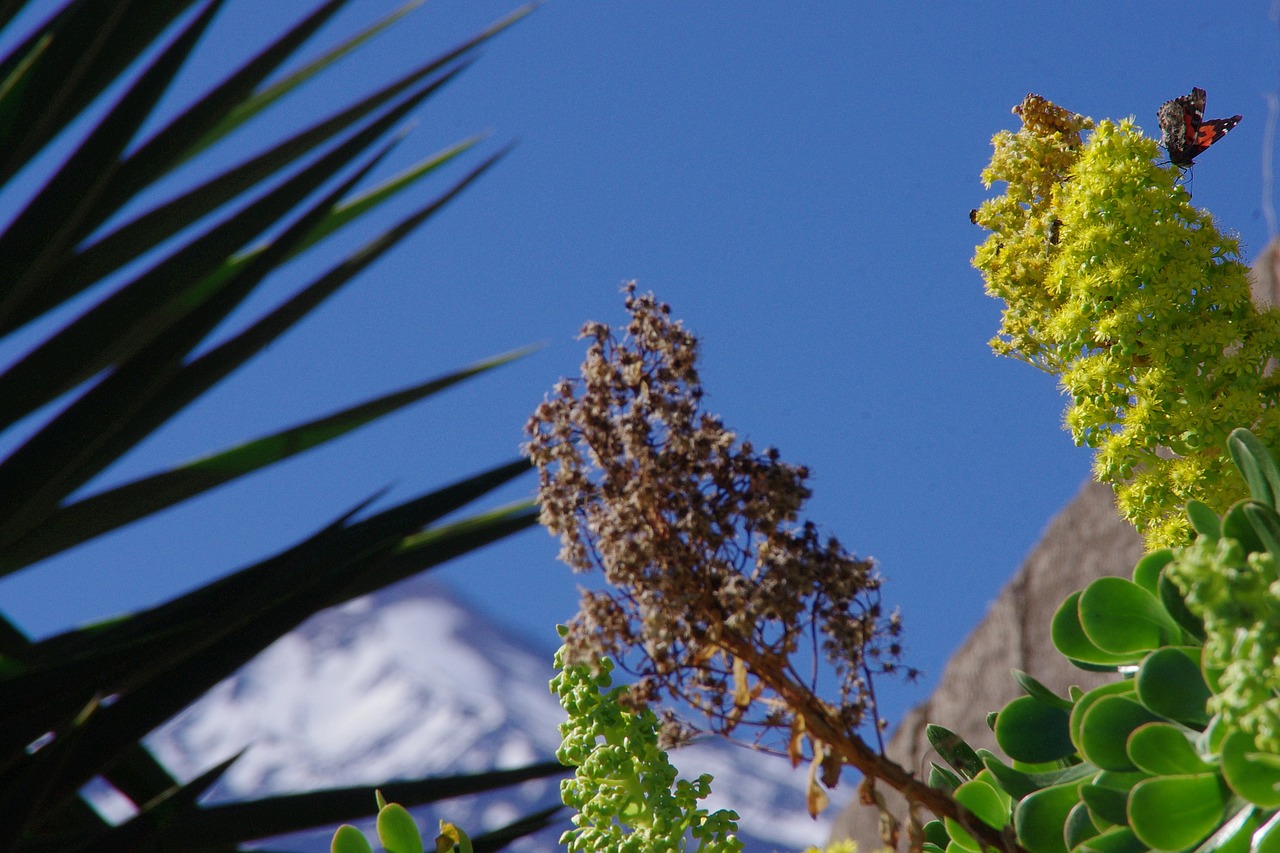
(795,179)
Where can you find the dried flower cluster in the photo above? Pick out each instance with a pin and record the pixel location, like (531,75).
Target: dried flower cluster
(718,596)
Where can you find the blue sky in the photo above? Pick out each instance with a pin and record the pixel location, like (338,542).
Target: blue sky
(795,179)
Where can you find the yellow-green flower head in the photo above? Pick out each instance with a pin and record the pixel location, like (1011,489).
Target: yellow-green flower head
(1115,283)
(1034,162)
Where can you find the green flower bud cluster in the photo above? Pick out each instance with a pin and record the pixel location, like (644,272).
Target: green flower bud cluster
(1238,596)
(1231,581)
(1114,282)
(625,792)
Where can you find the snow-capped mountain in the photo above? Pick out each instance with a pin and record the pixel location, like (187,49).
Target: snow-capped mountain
(412,682)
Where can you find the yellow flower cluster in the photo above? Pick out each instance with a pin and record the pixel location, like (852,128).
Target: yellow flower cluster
(1115,283)
(1035,163)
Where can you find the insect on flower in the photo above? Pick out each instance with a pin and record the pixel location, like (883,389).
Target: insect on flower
(1184,131)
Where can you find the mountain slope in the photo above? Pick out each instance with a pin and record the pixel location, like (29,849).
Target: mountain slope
(409,682)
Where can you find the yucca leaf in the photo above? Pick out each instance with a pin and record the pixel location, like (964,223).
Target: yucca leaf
(27,784)
(356,206)
(129,404)
(231,823)
(226,357)
(135,771)
(41,237)
(114,655)
(132,402)
(13,87)
(114,508)
(255,103)
(92,44)
(128,364)
(445,542)
(156,226)
(151,824)
(167,147)
(490,842)
(133,317)
(112,416)
(13,644)
(261,100)
(9,9)
(150,229)
(351,569)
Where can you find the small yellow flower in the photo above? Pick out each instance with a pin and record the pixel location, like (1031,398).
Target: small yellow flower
(1113,282)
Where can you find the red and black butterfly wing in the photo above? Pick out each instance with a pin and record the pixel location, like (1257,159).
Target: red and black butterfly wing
(1211,131)
(1184,132)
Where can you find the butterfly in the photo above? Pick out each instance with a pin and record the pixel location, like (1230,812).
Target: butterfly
(1184,132)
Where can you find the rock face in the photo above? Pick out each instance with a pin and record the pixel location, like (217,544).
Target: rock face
(1086,540)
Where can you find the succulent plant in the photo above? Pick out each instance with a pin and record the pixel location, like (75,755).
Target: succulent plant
(1179,752)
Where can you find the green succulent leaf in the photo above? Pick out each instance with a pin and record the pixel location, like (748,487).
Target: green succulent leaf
(942,778)
(1117,839)
(1163,749)
(1255,780)
(1257,465)
(1071,640)
(1236,835)
(1236,525)
(1059,775)
(985,803)
(1120,617)
(1267,838)
(1080,826)
(936,833)
(1175,605)
(1040,818)
(1204,519)
(1266,524)
(1105,730)
(1086,701)
(1146,573)
(1014,782)
(453,839)
(1106,804)
(1177,812)
(1119,780)
(397,830)
(954,750)
(348,839)
(1038,691)
(1169,683)
(1029,730)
